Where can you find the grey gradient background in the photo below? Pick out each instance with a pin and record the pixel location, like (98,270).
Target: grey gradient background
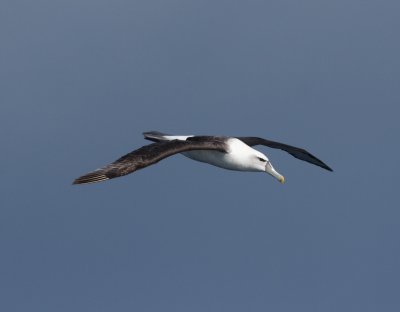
(79,82)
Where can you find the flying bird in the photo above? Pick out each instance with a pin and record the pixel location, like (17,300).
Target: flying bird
(232,153)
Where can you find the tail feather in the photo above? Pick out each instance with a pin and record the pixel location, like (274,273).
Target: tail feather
(155,136)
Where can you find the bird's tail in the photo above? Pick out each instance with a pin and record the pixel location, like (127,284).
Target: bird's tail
(155,136)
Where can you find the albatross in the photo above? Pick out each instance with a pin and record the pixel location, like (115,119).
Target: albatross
(232,153)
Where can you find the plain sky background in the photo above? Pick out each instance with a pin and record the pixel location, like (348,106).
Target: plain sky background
(80,80)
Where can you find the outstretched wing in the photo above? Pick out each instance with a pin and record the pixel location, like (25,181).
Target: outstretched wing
(297,152)
(146,156)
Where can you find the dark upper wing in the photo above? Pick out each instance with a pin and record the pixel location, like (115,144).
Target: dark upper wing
(146,156)
(299,153)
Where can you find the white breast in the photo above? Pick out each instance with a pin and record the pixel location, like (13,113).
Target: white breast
(239,157)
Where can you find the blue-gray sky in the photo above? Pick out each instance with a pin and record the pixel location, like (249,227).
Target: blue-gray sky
(80,80)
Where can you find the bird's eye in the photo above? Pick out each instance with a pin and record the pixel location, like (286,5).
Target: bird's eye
(261,159)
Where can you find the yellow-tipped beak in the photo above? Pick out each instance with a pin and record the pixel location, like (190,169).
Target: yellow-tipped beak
(282,179)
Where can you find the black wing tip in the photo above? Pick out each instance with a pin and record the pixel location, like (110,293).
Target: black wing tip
(317,162)
(92,177)
(321,164)
(327,168)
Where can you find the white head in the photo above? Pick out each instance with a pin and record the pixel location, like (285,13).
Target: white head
(262,163)
(246,158)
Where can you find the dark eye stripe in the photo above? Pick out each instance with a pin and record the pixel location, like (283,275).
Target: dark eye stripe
(262,159)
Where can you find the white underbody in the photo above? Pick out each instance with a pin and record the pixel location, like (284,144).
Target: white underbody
(230,161)
(237,158)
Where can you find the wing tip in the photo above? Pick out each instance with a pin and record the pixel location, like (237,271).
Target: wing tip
(323,165)
(92,177)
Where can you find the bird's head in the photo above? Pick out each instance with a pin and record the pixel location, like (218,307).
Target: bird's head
(263,164)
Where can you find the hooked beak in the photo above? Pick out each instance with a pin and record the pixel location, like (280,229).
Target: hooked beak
(270,170)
